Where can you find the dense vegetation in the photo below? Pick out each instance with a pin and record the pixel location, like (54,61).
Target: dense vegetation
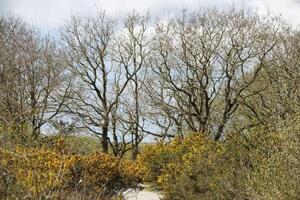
(262,164)
(218,90)
(54,172)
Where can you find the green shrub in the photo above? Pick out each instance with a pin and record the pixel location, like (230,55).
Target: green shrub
(255,166)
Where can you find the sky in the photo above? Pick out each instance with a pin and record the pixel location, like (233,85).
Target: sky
(49,15)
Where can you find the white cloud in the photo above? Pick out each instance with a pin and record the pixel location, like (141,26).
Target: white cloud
(288,9)
(47,14)
(50,14)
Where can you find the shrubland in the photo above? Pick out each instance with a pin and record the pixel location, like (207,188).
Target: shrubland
(219,90)
(54,173)
(260,164)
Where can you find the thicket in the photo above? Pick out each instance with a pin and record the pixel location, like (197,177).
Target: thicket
(230,78)
(261,164)
(53,172)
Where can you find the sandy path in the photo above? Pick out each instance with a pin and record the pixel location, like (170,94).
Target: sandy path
(136,194)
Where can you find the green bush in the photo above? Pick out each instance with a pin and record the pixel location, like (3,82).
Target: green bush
(260,164)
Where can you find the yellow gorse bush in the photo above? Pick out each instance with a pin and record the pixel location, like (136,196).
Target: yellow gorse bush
(193,168)
(162,159)
(40,171)
(250,166)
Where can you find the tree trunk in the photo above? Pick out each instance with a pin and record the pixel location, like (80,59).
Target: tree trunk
(135,148)
(219,132)
(104,140)
(135,142)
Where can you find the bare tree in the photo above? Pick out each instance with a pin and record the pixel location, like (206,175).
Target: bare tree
(48,83)
(205,63)
(133,52)
(34,85)
(204,72)
(279,93)
(101,80)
